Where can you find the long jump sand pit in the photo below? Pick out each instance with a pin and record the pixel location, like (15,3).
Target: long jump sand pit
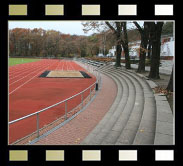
(65,74)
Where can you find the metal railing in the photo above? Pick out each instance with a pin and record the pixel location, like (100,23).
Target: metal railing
(96,84)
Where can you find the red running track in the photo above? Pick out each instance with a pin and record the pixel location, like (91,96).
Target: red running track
(29,93)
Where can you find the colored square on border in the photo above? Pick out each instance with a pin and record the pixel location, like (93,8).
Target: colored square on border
(127,155)
(164,155)
(163,10)
(54,10)
(91,155)
(127,10)
(90,10)
(54,155)
(17,10)
(18,155)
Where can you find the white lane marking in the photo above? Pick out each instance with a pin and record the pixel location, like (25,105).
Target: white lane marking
(22,73)
(67,65)
(57,66)
(20,70)
(63,66)
(25,76)
(71,64)
(25,66)
(28,80)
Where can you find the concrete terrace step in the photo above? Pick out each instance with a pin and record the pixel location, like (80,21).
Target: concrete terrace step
(146,131)
(164,125)
(122,113)
(131,128)
(112,129)
(126,120)
(89,139)
(164,132)
(137,116)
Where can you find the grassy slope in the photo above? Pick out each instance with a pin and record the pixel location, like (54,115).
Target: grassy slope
(15,61)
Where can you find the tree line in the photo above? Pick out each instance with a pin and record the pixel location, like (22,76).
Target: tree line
(41,43)
(50,43)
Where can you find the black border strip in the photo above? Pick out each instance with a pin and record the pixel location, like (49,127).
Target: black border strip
(146,154)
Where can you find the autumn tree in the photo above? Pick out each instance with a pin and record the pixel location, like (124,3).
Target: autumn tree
(19,41)
(50,43)
(36,41)
(93,44)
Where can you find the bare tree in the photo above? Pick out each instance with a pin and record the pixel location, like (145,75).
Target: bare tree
(155,33)
(120,32)
(144,32)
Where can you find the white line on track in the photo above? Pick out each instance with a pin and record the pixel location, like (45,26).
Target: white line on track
(29,80)
(57,66)
(22,73)
(22,65)
(60,65)
(25,66)
(20,70)
(12,68)
(71,64)
(25,76)
(63,66)
(67,65)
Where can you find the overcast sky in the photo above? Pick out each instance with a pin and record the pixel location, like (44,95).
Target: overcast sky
(67,27)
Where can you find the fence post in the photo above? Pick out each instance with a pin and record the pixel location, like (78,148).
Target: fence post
(65,110)
(37,124)
(100,81)
(82,99)
(90,93)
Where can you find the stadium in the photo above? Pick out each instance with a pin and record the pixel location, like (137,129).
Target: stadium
(61,93)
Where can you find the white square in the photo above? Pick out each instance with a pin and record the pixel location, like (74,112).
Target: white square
(127,155)
(163,10)
(91,155)
(127,9)
(164,155)
(88,10)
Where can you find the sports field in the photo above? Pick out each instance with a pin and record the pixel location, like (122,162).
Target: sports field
(16,61)
(29,93)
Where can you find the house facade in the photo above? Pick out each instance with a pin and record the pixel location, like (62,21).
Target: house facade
(167,48)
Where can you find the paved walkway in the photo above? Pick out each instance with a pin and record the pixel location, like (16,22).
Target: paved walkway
(165,68)
(79,127)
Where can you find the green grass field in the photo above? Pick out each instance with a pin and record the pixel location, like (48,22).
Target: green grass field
(15,61)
